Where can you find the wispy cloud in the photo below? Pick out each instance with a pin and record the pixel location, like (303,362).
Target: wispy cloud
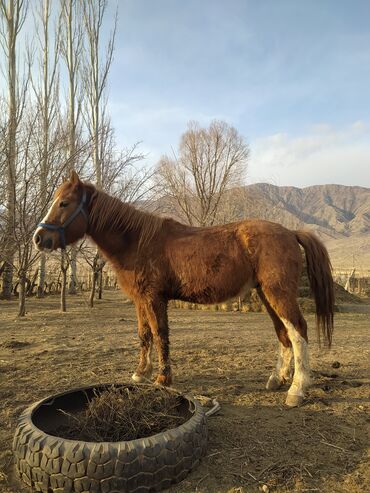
(324,154)
(157,126)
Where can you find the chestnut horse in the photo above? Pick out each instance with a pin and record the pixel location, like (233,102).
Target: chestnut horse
(158,259)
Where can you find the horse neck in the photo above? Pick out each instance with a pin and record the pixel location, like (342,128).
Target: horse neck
(115,225)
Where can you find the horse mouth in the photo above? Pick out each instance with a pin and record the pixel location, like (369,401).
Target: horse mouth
(44,249)
(43,244)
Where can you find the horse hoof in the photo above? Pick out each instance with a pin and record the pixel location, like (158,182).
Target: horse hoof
(273,383)
(138,378)
(293,400)
(163,380)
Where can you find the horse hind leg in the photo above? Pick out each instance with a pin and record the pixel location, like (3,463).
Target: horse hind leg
(298,335)
(287,310)
(283,370)
(144,369)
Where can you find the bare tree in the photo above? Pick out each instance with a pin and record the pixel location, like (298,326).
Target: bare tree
(95,76)
(72,51)
(28,204)
(12,16)
(210,161)
(46,90)
(32,200)
(3,180)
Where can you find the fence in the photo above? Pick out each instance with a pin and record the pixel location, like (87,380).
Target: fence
(356,281)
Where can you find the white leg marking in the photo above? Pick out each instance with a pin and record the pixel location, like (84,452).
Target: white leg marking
(282,371)
(301,379)
(149,368)
(274,382)
(286,367)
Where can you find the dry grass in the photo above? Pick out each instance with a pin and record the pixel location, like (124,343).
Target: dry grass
(124,413)
(254,441)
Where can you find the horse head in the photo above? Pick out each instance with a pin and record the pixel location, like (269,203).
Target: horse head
(67,219)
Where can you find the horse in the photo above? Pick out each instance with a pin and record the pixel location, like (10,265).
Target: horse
(157,259)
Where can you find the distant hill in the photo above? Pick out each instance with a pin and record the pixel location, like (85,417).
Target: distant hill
(332,210)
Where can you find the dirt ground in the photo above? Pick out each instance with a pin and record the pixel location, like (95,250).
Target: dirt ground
(254,440)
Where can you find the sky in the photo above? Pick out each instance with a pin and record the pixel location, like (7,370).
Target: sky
(293,77)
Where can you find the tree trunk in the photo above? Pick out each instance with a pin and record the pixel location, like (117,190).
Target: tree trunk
(100,294)
(92,291)
(94,279)
(22,294)
(32,283)
(41,276)
(63,291)
(72,286)
(7,281)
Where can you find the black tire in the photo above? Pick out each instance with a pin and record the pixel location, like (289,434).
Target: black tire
(52,464)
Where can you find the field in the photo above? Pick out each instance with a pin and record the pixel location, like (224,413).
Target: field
(254,440)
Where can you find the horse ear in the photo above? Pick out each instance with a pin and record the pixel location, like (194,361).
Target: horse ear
(74,178)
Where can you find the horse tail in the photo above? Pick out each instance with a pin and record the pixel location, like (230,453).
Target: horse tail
(319,272)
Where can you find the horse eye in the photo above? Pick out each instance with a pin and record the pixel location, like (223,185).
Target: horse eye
(63,204)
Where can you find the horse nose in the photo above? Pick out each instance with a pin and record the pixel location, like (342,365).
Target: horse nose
(37,239)
(48,243)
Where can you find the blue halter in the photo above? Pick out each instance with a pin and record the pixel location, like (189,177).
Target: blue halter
(67,222)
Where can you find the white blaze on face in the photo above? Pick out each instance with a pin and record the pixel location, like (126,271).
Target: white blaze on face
(44,220)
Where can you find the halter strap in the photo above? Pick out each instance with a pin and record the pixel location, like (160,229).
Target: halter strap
(67,222)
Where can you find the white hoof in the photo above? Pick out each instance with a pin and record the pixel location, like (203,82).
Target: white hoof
(273,383)
(294,400)
(138,378)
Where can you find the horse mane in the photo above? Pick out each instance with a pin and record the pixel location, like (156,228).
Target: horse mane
(109,213)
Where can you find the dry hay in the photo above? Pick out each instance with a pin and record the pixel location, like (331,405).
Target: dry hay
(124,413)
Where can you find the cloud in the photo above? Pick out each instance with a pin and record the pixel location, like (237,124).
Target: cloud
(324,154)
(157,126)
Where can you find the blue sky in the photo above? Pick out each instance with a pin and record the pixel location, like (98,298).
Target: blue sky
(292,76)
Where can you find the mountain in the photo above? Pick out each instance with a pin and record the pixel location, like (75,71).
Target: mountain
(331,210)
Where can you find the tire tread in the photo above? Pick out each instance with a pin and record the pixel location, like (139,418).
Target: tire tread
(52,465)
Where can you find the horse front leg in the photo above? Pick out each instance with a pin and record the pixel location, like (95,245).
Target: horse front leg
(156,312)
(145,368)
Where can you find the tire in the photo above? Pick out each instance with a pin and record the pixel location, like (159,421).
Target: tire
(52,464)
